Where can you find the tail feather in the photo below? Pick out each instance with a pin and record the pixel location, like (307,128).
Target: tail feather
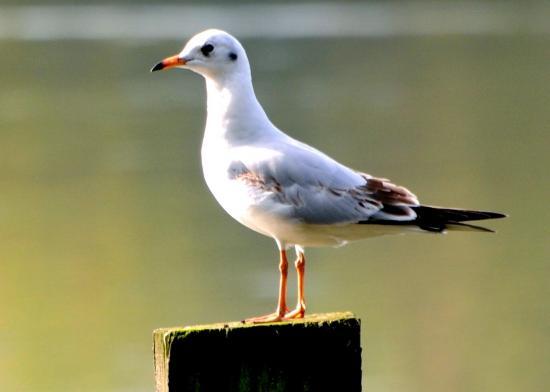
(467,227)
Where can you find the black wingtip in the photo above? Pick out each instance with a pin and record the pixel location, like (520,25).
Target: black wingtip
(438,219)
(157,67)
(443,214)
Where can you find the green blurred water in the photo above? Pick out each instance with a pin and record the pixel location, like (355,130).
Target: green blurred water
(108,231)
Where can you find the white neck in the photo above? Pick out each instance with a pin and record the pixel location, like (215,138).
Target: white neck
(234,113)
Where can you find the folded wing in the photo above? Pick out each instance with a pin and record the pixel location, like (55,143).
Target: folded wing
(308,186)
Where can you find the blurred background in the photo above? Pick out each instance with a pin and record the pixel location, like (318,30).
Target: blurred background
(108,231)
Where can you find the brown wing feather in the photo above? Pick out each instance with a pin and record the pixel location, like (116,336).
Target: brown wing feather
(387,192)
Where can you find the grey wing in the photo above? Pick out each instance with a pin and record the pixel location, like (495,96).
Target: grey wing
(308,186)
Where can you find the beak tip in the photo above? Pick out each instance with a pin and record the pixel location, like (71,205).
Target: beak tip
(169,62)
(157,67)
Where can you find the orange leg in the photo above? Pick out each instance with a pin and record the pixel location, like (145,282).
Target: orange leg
(278,315)
(300,309)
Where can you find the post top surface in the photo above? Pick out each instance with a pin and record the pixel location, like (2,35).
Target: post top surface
(316,318)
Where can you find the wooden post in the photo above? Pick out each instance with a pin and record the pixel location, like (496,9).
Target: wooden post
(321,352)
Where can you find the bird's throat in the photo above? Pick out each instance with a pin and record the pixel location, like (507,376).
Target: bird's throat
(234,113)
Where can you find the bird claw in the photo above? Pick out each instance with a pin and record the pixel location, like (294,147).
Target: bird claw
(268,318)
(274,317)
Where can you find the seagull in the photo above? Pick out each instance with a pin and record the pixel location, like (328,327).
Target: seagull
(286,189)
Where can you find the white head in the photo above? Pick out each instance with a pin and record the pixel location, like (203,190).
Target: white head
(214,54)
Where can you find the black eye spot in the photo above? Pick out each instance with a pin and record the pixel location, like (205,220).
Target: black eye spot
(233,56)
(207,49)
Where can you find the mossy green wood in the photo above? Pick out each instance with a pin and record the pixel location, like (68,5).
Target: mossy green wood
(319,352)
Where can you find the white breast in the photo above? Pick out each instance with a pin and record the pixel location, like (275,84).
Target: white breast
(233,195)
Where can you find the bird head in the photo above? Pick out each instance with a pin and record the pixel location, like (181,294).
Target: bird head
(212,53)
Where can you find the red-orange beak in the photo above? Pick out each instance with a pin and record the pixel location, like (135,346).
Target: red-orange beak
(169,62)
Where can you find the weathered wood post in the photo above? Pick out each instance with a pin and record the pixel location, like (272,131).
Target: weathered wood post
(318,353)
